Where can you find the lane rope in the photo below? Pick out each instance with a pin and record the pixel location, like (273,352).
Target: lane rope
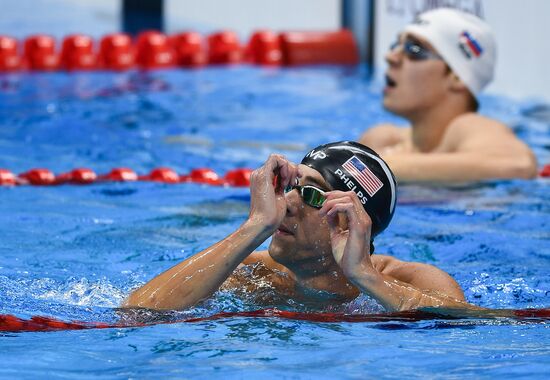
(83,176)
(11,323)
(239,177)
(155,50)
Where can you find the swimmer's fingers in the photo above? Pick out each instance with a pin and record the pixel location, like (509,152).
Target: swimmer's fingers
(346,203)
(349,228)
(294,173)
(286,171)
(336,211)
(265,175)
(267,199)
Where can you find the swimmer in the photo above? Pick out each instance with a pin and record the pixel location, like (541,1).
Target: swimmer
(437,67)
(322,216)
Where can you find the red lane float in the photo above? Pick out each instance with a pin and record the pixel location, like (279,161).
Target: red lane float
(77,53)
(37,177)
(9,58)
(545,172)
(7,178)
(119,175)
(307,48)
(264,48)
(189,49)
(165,175)
(224,48)
(116,52)
(81,176)
(205,175)
(11,323)
(154,50)
(39,53)
(84,176)
(238,177)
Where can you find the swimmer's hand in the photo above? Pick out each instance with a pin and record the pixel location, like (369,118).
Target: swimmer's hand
(350,234)
(267,184)
(350,231)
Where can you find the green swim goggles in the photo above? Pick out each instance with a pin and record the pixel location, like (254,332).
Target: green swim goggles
(311,195)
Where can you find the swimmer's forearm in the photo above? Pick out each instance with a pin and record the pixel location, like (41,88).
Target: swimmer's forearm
(459,166)
(198,277)
(396,295)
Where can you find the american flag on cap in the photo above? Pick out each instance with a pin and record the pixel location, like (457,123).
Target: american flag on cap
(362,174)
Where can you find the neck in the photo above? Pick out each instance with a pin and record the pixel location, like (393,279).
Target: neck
(429,125)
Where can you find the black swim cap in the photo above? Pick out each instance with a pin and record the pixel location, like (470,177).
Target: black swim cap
(348,165)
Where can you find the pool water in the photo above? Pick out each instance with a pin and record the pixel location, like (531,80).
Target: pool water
(74,252)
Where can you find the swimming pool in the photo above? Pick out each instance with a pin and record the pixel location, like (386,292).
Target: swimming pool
(74,252)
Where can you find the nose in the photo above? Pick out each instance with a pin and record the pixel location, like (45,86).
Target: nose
(394,56)
(293,202)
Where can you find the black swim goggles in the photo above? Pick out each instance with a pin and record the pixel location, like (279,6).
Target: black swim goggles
(414,50)
(311,195)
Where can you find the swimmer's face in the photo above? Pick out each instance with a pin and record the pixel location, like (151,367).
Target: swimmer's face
(303,234)
(413,85)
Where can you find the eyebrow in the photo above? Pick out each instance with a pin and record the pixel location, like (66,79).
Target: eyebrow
(316,181)
(417,41)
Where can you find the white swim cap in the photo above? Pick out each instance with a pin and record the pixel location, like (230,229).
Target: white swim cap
(465,42)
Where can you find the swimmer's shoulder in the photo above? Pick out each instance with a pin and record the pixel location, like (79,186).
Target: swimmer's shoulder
(383,136)
(472,122)
(471,130)
(474,132)
(406,271)
(385,264)
(420,275)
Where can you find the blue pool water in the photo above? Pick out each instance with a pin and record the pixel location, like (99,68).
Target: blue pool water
(74,252)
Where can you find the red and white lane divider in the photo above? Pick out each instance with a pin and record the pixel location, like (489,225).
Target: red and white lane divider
(84,176)
(13,324)
(155,50)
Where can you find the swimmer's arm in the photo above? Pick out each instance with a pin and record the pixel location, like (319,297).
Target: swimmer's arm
(474,148)
(397,285)
(459,166)
(198,277)
(427,286)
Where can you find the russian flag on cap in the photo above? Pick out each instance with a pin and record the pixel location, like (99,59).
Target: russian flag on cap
(470,47)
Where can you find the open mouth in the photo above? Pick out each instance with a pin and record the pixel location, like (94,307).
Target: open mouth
(390,82)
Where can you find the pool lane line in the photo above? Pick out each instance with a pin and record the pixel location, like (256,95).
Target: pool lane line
(12,324)
(152,49)
(239,177)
